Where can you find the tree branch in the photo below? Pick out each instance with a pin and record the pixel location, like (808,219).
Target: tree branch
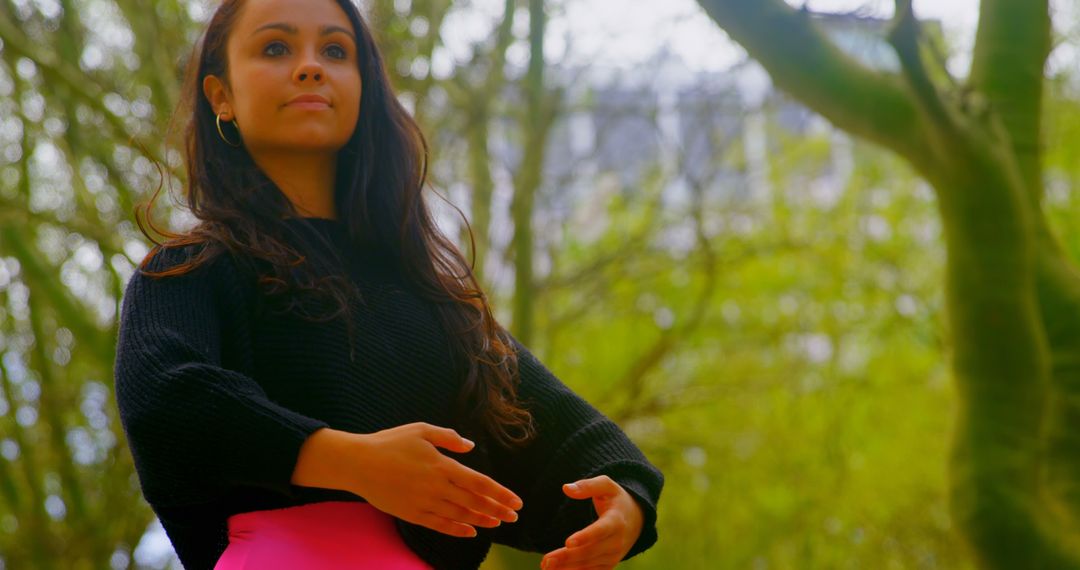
(40,276)
(904,38)
(52,405)
(35,514)
(1011,47)
(802,61)
(81,85)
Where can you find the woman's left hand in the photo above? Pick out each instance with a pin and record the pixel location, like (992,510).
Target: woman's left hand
(602,544)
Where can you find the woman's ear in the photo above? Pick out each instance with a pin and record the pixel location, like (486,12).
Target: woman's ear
(216,95)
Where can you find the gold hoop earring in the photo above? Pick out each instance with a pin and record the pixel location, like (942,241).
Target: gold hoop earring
(227,141)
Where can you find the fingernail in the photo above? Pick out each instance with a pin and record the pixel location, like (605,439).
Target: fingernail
(572,486)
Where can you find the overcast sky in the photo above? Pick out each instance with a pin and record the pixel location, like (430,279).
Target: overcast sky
(624,32)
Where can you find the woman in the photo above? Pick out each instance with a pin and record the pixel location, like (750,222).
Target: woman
(290,370)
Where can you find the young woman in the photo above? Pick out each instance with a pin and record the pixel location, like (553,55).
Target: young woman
(297,374)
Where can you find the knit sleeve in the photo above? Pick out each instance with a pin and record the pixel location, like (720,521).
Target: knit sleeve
(574,441)
(195,427)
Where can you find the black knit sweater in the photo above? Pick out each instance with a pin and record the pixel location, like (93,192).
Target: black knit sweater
(217,395)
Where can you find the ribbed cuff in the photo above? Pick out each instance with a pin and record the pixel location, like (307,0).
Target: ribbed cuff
(600,448)
(648,536)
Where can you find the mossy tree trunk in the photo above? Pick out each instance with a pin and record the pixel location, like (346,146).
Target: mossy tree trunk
(1013,297)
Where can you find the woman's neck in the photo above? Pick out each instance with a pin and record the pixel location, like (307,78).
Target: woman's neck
(307,180)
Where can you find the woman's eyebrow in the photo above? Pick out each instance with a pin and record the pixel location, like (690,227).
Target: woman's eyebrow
(289,28)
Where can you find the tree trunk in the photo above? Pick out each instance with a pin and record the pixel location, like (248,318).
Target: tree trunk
(1012,297)
(530,174)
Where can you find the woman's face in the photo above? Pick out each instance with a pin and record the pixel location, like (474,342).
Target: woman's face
(281,49)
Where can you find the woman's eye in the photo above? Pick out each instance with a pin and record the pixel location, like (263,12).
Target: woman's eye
(271,46)
(340,50)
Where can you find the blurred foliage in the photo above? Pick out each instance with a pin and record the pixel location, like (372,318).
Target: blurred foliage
(780,357)
(1012,290)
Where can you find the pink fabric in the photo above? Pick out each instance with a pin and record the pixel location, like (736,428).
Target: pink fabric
(331,535)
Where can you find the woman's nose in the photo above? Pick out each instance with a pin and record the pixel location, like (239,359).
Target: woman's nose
(309,71)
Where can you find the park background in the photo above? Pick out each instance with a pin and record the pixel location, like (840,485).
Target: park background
(728,259)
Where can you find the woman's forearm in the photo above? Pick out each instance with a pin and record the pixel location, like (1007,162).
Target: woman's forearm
(323,460)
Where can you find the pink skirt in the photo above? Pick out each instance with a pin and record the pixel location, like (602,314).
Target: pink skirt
(327,535)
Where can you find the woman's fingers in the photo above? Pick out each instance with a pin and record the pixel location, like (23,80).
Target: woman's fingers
(445,437)
(454,511)
(439,523)
(482,485)
(486,507)
(595,534)
(420,485)
(459,507)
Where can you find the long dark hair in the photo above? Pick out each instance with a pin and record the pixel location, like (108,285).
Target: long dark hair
(381,173)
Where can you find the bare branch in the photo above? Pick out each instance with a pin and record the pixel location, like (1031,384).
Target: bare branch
(904,38)
(802,61)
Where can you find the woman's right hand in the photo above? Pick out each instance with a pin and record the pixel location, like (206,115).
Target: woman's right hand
(402,473)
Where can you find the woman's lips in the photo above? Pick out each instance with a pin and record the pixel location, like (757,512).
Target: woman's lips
(313,105)
(309,101)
